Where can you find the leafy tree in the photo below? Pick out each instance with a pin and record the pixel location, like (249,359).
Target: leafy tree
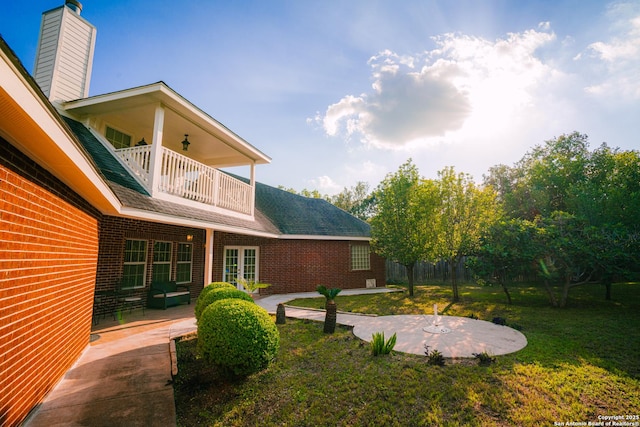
(506,251)
(312,194)
(356,200)
(584,205)
(465,211)
(401,220)
(544,180)
(610,194)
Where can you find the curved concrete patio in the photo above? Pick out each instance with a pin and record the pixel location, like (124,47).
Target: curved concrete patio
(466,336)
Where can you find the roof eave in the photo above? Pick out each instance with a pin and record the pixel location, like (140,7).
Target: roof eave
(160,92)
(31,123)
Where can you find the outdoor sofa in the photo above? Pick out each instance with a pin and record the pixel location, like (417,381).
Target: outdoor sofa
(167,294)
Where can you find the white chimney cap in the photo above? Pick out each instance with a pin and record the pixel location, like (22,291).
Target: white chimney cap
(74,5)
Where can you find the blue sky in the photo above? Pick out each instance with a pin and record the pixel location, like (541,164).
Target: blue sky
(338,92)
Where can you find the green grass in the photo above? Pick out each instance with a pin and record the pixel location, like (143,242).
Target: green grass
(580,362)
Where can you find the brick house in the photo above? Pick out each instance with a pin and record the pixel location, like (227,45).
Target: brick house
(127,188)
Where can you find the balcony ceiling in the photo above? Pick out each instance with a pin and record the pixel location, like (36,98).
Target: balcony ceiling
(133,111)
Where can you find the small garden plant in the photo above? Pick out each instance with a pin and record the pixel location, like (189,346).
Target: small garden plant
(434,357)
(250,285)
(379,346)
(484,358)
(499,321)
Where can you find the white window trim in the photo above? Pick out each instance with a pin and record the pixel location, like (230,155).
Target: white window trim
(146,255)
(115,128)
(170,262)
(357,267)
(241,250)
(178,262)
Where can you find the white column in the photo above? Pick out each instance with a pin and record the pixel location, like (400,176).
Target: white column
(208,259)
(155,172)
(252,182)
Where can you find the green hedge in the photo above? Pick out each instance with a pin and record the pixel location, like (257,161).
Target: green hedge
(216,294)
(216,285)
(238,336)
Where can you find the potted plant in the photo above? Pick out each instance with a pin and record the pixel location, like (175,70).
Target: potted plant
(330,306)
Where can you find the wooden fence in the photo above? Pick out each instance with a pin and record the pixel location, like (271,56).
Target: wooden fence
(427,272)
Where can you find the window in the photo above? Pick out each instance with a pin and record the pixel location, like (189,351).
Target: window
(240,262)
(360,257)
(117,138)
(161,262)
(183,267)
(135,264)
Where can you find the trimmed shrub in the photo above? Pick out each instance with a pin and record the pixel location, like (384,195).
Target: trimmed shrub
(217,294)
(238,336)
(216,285)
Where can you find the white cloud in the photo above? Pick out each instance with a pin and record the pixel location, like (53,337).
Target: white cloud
(466,86)
(620,55)
(325,185)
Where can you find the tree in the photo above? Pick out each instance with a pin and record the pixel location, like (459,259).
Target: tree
(403,216)
(507,251)
(312,194)
(597,192)
(356,200)
(573,254)
(545,179)
(610,193)
(465,211)
(331,314)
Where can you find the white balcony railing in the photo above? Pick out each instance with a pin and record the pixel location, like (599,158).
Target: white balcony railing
(187,178)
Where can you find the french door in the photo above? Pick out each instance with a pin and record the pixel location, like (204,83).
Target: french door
(240,261)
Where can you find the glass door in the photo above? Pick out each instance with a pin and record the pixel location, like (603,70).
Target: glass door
(240,262)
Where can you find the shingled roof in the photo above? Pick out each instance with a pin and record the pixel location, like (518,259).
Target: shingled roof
(108,165)
(298,215)
(278,212)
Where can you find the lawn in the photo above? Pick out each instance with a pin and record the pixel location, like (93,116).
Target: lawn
(582,362)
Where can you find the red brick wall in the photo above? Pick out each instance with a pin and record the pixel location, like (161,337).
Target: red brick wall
(48,257)
(301,265)
(115,230)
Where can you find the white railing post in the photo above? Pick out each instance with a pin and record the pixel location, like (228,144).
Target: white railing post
(155,169)
(252,182)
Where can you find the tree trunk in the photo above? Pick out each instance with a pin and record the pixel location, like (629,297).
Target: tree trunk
(565,294)
(506,291)
(552,297)
(409,268)
(454,281)
(331,317)
(607,285)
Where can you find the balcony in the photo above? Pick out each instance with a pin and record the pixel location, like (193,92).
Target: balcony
(184,177)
